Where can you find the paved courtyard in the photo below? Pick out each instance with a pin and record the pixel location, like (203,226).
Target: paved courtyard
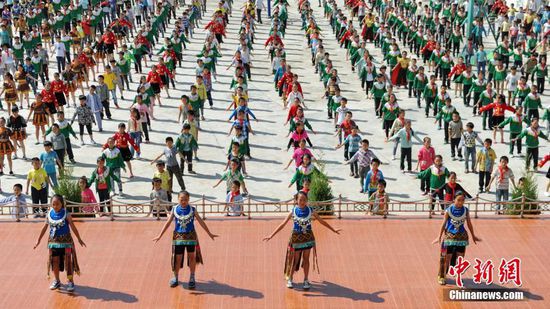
(268,181)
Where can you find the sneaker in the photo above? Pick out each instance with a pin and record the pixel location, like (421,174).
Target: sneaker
(174,282)
(70,286)
(307,285)
(441,280)
(356,176)
(73,161)
(14,157)
(55,285)
(393,158)
(512,155)
(82,143)
(191,283)
(192,172)
(289,284)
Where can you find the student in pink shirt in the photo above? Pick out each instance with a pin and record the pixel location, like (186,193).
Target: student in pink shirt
(299,153)
(87,196)
(426,156)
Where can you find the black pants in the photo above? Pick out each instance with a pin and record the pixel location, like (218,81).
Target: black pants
(455,148)
(377,102)
(69,148)
(106,105)
(429,103)
(439,195)
(88,128)
(104,196)
(176,171)
(145,128)
(39,197)
(368,86)
(425,183)
(186,156)
(446,128)
(533,113)
(484,178)
(406,153)
(466,94)
(512,143)
(540,85)
(259,15)
(61,155)
(209,97)
(354,167)
(532,154)
(60,64)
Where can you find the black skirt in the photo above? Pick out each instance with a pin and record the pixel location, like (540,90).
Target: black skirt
(60,97)
(156,87)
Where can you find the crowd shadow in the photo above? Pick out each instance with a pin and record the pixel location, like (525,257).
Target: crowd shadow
(216,288)
(330,289)
(93,293)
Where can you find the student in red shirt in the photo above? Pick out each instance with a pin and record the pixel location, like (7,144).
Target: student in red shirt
(499,108)
(123,140)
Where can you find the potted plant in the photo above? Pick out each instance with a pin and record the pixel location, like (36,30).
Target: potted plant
(320,192)
(527,186)
(68,187)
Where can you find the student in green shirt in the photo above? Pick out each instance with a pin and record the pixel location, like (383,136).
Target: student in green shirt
(487,97)
(378,90)
(532,135)
(541,72)
(478,86)
(437,173)
(390,111)
(419,84)
(532,103)
(429,94)
(516,126)
(186,145)
(412,70)
(446,113)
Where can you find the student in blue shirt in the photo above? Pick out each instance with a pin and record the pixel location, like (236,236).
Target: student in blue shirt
(49,159)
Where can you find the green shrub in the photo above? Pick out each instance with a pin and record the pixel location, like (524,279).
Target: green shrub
(320,191)
(530,189)
(69,189)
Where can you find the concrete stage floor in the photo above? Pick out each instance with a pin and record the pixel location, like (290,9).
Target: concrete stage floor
(373,263)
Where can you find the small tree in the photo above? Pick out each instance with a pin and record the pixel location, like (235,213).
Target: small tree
(68,188)
(530,189)
(320,191)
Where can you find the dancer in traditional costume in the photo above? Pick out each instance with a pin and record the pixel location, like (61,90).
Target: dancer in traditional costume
(62,254)
(301,240)
(455,237)
(6,147)
(184,238)
(17,126)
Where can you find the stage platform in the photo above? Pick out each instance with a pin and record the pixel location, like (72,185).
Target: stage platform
(373,263)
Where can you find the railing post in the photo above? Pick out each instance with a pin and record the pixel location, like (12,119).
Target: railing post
(157,206)
(112,209)
(340,206)
(203,208)
(249,206)
(476,205)
(430,206)
(17,210)
(522,205)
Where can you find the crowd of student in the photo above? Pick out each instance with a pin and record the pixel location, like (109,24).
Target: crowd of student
(101,41)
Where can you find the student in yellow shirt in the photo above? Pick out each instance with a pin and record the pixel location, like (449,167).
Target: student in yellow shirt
(111,80)
(201,91)
(38,181)
(164,176)
(485,163)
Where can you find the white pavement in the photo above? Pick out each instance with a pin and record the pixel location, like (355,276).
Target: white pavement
(268,180)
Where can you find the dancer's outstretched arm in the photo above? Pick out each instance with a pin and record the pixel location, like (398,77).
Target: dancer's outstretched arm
(165,227)
(280,227)
(325,223)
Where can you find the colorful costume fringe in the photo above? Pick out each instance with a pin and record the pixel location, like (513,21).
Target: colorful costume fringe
(66,242)
(299,241)
(186,239)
